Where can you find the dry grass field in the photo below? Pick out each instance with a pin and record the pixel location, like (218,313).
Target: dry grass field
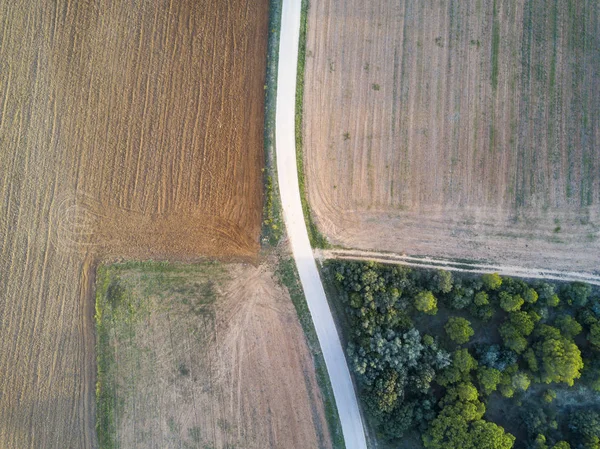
(127,129)
(461,129)
(203,356)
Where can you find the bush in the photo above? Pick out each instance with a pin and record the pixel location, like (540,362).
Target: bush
(459,330)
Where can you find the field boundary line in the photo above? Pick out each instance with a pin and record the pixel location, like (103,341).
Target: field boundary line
(459,266)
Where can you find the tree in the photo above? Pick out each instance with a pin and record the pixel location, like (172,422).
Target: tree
(562,445)
(512,338)
(523,322)
(530,296)
(521,381)
(561,360)
(481,299)
(488,435)
(442,281)
(568,326)
(488,379)
(585,424)
(462,364)
(460,426)
(510,303)
(553,301)
(576,293)
(491,281)
(594,336)
(459,330)
(425,302)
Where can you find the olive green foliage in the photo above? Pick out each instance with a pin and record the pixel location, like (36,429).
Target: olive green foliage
(460,425)
(442,281)
(459,330)
(576,293)
(510,303)
(488,379)
(539,328)
(561,360)
(425,302)
(393,363)
(491,281)
(568,326)
(462,364)
(481,299)
(594,336)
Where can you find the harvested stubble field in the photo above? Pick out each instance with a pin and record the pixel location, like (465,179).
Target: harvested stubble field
(127,129)
(460,129)
(203,356)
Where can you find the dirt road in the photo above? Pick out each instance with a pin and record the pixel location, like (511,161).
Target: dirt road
(450,265)
(329,340)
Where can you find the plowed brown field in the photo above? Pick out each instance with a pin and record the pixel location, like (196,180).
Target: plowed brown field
(461,129)
(126,129)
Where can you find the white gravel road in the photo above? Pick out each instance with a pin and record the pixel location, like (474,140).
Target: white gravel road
(343,389)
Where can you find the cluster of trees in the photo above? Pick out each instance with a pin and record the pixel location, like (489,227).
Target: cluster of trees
(548,335)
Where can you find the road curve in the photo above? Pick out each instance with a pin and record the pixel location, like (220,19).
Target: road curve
(285,142)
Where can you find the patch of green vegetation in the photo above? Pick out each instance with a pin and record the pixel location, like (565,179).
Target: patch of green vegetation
(509,341)
(375,86)
(105,387)
(272,224)
(317,240)
(288,276)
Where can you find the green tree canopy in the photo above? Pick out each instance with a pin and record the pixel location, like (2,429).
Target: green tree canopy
(491,281)
(568,326)
(488,379)
(561,360)
(425,302)
(510,303)
(459,330)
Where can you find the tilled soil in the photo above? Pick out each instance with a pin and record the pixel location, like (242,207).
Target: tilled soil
(127,129)
(453,129)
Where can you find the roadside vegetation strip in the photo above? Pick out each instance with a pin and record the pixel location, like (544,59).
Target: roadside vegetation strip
(317,240)
(459,266)
(272,226)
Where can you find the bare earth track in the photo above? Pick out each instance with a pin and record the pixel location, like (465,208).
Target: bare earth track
(457,129)
(127,129)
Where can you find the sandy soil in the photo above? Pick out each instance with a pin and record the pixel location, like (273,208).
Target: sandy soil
(127,129)
(457,129)
(212,356)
